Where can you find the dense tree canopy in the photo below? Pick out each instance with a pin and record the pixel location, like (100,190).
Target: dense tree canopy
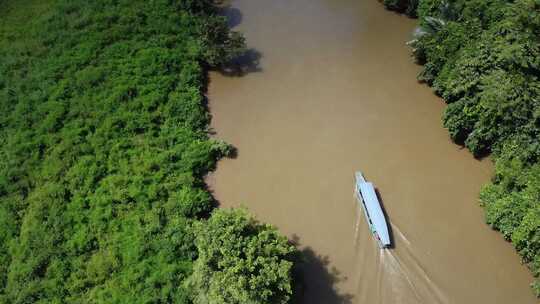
(103,147)
(483,58)
(241,261)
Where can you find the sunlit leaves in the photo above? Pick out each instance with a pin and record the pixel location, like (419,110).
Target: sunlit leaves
(241,261)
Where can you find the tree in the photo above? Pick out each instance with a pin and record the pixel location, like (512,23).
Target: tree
(241,261)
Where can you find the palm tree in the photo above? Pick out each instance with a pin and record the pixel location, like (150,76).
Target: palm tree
(430,26)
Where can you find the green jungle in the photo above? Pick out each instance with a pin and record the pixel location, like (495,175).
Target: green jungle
(103,148)
(483,58)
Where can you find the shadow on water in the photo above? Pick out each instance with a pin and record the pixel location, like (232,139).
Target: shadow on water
(248,62)
(315,281)
(387,218)
(234,15)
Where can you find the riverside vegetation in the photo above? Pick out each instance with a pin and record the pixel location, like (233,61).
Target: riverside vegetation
(103,148)
(483,58)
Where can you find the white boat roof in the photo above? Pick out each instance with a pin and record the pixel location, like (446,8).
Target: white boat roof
(374,209)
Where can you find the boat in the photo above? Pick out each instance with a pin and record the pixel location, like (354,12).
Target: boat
(367,198)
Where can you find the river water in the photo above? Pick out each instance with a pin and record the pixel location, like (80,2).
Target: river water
(334,92)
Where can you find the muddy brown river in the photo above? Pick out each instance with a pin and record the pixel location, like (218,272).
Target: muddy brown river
(334,92)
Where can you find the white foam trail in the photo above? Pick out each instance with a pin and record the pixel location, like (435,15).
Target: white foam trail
(392,276)
(406,264)
(394,268)
(356,222)
(401,235)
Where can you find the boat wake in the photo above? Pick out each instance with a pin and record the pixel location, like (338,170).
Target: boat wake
(391,275)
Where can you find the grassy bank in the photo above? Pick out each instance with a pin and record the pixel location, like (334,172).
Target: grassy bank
(103,149)
(483,58)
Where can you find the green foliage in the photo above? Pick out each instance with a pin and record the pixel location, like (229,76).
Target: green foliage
(241,261)
(103,149)
(512,205)
(483,58)
(218,44)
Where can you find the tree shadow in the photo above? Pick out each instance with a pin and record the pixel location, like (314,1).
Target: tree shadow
(234,15)
(248,62)
(480,154)
(314,281)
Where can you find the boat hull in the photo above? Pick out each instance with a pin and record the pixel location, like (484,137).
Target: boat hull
(367,198)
